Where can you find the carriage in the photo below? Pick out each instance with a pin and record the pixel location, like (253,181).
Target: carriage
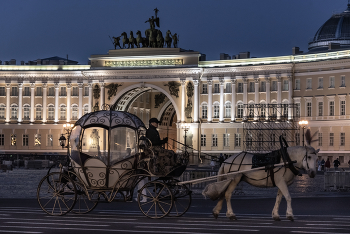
(108,156)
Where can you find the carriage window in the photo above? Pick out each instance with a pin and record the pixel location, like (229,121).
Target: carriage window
(123,144)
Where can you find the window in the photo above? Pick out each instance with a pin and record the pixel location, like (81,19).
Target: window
(74,112)
(2,91)
(309,83)
(251,87)
(285,110)
(308,109)
(342,81)
(38,110)
(262,110)
(14,109)
(49,140)
(86,91)
(274,86)
(25,139)
(226,139)
(51,91)
(342,138)
(216,88)
(297,138)
(240,110)
(320,109)
(14,91)
(63,112)
(251,110)
(215,140)
(2,139)
(331,139)
(86,109)
(342,107)
(274,109)
(297,84)
(228,110)
(331,82)
(204,111)
(263,86)
(216,110)
(26,109)
(51,112)
(285,85)
(147,97)
(39,91)
(37,139)
(75,91)
(26,91)
(237,140)
(63,91)
(205,88)
(331,108)
(13,139)
(203,140)
(320,83)
(228,88)
(240,88)
(2,111)
(297,109)
(320,139)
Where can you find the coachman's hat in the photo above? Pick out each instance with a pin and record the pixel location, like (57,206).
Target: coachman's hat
(154,120)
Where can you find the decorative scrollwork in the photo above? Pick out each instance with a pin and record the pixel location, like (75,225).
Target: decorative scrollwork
(96,91)
(173,88)
(112,89)
(159,99)
(190,89)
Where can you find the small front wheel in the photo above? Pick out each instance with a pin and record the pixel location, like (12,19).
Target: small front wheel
(57,194)
(155,199)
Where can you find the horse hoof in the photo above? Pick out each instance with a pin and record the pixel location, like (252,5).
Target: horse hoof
(276,218)
(215,216)
(291,218)
(232,218)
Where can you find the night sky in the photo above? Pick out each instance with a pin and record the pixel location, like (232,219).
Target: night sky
(33,29)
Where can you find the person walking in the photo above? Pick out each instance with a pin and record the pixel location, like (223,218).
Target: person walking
(327,164)
(336,164)
(322,164)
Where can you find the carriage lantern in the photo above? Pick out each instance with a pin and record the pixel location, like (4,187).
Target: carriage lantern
(68,129)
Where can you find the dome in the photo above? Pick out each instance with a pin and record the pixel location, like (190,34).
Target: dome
(335,30)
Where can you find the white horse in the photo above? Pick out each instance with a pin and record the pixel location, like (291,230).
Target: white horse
(305,157)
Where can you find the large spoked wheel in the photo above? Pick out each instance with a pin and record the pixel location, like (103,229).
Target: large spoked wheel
(83,204)
(155,199)
(182,198)
(56,194)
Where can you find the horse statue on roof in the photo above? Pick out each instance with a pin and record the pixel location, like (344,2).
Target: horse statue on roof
(168,39)
(132,40)
(125,39)
(140,40)
(160,39)
(295,158)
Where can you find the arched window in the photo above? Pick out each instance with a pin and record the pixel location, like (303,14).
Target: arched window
(228,110)
(14,110)
(285,109)
(274,109)
(204,111)
(262,109)
(38,110)
(216,109)
(63,110)
(2,111)
(240,110)
(74,112)
(51,112)
(26,109)
(251,110)
(86,109)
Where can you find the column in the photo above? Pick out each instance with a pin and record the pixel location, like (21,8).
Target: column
(279,96)
(90,97)
(196,101)
(44,110)
(69,88)
(32,105)
(222,100)
(8,103)
(268,96)
(80,108)
(57,86)
(102,96)
(245,97)
(233,99)
(256,100)
(210,100)
(290,100)
(183,99)
(20,100)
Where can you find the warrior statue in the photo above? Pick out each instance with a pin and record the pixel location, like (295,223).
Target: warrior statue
(116,42)
(175,40)
(152,32)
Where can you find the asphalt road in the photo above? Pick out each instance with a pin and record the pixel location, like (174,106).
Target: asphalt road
(312,215)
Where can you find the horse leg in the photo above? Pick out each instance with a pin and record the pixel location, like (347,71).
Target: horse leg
(228,195)
(217,208)
(275,214)
(284,189)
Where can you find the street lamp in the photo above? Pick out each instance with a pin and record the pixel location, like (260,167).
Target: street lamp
(303,123)
(68,129)
(185,127)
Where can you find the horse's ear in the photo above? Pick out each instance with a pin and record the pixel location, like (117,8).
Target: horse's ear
(318,150)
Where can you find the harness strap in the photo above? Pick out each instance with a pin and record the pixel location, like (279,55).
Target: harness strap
(272,175)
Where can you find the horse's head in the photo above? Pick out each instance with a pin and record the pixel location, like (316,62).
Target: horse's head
(309,161)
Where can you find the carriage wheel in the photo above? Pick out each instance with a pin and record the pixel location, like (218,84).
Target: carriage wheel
(56,194)
(159,199)
(85,205)
(182,200)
